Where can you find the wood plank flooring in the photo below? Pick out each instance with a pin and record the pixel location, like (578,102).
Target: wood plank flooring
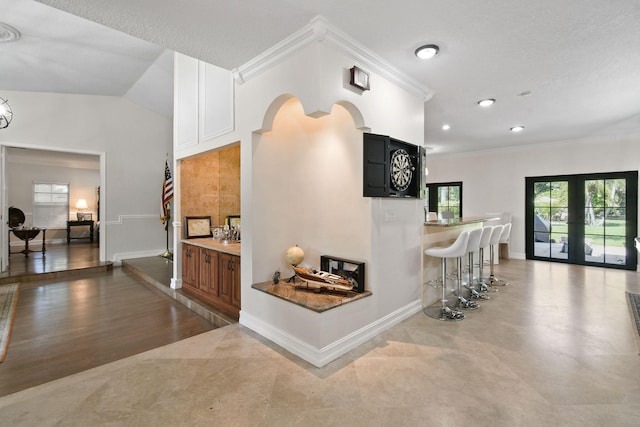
(65,326)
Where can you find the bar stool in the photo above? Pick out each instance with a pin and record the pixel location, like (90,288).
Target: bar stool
(503,238)
(484,243)
(463,303)
(494,239)
(473,245)
(456,250)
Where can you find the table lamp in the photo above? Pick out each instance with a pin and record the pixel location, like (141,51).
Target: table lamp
(80,205)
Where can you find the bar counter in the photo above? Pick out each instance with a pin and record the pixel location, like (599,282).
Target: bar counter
(215,244)
(459,221)
(443,233)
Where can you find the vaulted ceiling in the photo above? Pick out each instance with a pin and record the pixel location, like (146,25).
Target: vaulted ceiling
(565,70)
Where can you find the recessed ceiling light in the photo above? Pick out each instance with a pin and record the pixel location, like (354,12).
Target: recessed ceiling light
(486,102)
(427,51)
(525,93)
(446,127)
(517,129)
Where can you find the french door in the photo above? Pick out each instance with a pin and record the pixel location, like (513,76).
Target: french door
(588,219)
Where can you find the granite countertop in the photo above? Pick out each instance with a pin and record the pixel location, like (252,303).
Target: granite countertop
(215,244)
(459,221)
(317,302)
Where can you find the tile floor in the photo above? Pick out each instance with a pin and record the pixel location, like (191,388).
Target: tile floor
(556,347)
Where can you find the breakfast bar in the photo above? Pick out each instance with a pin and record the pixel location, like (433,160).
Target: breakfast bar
(442,233)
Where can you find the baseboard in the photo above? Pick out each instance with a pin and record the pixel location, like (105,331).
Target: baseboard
(321,356)
(517,255)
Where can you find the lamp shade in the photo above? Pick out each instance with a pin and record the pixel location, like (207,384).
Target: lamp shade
(81,204)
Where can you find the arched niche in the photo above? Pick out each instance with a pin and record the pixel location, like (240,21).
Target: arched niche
(307,186)
(276,105)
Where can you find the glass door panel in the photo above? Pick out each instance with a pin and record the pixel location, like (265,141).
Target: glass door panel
(550,219)
(605,221)
(583,219)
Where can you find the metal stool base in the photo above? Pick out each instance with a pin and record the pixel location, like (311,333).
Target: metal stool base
(443,313)
(465,304)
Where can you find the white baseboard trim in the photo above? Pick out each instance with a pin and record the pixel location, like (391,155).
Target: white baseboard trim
(321,356)
(176,283)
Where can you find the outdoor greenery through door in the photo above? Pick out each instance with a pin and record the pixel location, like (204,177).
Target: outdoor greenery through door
(583,219)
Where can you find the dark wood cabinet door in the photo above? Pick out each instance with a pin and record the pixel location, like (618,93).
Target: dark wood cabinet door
(209,272)
(190,261)
(226,277)
(212,267)
(235,286)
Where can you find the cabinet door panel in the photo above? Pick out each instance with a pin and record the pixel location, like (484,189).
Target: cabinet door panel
(226,278)
(235,287)
(190,260)
(213,273)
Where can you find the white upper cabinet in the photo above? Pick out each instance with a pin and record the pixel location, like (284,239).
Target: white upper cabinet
(203,107)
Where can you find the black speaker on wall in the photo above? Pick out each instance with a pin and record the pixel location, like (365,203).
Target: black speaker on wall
(392,168)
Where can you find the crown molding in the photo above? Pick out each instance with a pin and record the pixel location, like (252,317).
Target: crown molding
(319,30)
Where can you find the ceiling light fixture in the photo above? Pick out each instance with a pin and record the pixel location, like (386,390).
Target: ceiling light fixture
(5,113)
(446,127)
(486,102)
(427,51)
(517,129)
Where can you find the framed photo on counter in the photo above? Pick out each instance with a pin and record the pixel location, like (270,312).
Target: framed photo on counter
(197,226)
(233,221)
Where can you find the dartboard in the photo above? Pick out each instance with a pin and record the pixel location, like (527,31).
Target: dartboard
(401,169)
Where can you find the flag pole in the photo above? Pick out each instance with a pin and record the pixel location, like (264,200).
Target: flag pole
(167,196)
(167,253)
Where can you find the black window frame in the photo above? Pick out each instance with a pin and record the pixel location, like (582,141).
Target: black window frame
(433,189)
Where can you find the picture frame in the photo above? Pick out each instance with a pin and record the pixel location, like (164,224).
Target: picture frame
(197,226)
(345,268)
(233,220)
(87,217)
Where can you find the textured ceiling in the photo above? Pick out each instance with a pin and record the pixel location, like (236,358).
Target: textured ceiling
(578,58)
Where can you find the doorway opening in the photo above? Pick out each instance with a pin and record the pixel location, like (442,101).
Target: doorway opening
(51,189)
(586,219)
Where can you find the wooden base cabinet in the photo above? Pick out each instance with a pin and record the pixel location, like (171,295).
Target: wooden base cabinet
(213,276)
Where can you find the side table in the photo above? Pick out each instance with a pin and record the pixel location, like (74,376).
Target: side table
(85,223)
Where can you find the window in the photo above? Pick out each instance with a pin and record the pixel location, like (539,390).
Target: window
(50,205)
(445,198)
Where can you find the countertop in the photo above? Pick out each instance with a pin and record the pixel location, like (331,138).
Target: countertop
(215,244)
(459,221)
(315,301)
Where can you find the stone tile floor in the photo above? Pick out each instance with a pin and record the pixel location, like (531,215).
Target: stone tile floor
(556,347)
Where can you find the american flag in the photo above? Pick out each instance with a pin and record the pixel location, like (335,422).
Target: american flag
(167,194)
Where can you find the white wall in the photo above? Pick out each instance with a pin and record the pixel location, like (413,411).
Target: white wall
(134,141)
(21,175)
(383,233)
(494,181)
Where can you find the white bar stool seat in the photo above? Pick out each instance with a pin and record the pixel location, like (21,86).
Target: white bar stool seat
(505,234)
(456,250)
(473,245)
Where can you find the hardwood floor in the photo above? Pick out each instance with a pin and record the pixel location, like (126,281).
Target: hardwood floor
(65,326)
